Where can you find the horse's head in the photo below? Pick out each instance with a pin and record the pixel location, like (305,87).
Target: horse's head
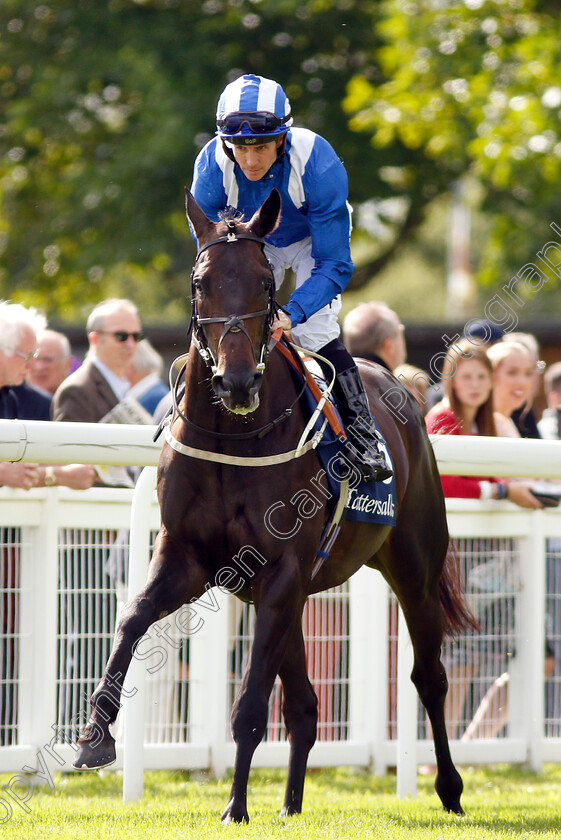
(233,300)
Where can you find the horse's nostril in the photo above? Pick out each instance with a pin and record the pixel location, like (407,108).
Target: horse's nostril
(218,385)
(256,383)
(237,390)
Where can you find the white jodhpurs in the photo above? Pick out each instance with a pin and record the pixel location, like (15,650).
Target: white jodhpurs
(322,327)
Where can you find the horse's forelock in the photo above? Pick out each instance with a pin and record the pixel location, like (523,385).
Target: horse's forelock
(231,214)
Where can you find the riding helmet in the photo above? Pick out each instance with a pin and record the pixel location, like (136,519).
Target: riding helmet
(252,110)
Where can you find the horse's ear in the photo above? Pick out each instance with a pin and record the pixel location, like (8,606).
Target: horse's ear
(267,217)
(201,224)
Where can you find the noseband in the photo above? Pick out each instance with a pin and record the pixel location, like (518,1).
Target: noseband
(232,323)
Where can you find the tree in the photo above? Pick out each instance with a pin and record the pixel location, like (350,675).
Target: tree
(103,107)
(472,88)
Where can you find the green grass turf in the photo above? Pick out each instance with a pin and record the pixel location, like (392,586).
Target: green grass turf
(339,804)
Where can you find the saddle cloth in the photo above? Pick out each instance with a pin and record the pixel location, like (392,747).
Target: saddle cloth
(372,502)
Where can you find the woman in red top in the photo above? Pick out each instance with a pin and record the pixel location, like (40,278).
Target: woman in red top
(467,409)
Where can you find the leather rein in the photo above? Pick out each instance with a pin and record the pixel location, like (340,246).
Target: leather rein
(232,323)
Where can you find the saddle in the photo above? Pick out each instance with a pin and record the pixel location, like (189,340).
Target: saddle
(372,502)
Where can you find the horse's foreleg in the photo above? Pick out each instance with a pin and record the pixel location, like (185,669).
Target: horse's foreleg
(429,676)
(171,583)
(279,604)
(96,744)
(300,712)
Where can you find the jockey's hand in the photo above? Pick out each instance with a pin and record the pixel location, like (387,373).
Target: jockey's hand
(283,321)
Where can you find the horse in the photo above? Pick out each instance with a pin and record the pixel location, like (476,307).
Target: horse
(228,461)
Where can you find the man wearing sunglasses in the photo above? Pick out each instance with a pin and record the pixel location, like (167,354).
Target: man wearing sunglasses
(100,383)
(256,149)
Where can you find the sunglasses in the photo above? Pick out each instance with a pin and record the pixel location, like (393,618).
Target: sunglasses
(260,122)
(122,336)
(26,356)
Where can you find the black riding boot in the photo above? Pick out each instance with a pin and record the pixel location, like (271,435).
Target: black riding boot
(362,449)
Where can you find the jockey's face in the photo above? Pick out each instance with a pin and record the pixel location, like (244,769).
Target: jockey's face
(255,161)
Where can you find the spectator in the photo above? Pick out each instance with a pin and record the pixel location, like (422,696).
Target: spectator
(479,334)
(550,424)
(524,417)
(514,377)
(18,329)
(52,363)
(467,409)
(550,429)
(145,374)
(33,403)
(89,393)
(87,396)
(373,331)
(18,326)
(514,368)
(18,345)
(34,398)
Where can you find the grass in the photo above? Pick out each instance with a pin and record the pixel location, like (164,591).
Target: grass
(340,804)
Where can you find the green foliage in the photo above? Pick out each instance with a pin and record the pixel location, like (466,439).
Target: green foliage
(474,87)
(103,107)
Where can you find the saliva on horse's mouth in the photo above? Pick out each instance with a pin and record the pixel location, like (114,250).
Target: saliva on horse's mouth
(239,409)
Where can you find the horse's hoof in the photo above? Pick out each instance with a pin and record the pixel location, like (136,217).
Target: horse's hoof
(234,813)
(449,787)
(456,808)
(94,756)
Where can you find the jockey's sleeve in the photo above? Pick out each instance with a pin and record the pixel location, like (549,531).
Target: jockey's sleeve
(207,187)
(329,217)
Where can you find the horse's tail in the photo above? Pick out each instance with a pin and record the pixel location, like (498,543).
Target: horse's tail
(457,614)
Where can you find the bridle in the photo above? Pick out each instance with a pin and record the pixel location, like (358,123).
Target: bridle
(232,323)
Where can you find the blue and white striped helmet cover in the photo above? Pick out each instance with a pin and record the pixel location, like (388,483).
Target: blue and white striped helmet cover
(251,93)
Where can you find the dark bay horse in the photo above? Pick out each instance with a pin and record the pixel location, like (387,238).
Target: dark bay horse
(215,512)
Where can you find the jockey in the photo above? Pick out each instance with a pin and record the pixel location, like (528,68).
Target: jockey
(255,150)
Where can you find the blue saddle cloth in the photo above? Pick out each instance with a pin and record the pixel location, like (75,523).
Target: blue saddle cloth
(372,501)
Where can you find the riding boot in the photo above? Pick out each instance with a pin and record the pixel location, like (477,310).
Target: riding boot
(353,404)
(362,445)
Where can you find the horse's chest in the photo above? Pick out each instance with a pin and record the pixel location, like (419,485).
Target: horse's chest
(223,514)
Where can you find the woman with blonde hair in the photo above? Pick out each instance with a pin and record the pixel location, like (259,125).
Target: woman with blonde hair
(514,371)
(468,409)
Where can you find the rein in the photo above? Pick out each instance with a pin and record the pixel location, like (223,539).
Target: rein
(257,433)
(234,323)
(304,445)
